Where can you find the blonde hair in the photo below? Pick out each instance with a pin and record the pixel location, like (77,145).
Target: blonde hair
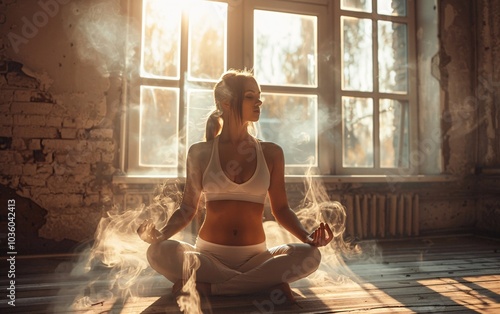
(228,89)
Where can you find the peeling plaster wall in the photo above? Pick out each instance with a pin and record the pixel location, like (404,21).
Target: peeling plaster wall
(487,97)
(459,121)
(60,80)
(487,104)
(59,98)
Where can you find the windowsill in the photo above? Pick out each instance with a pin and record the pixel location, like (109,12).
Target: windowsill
(374,178)
(302,178)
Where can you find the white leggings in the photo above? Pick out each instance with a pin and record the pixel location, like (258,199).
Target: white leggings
(235,270)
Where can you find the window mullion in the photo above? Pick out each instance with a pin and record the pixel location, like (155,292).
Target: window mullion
(376,98)
(183,90)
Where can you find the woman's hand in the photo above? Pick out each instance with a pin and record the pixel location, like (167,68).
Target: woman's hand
(321,236)
(148,232)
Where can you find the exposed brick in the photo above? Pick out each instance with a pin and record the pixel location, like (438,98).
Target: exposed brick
(19,157)
(29,169)
(5,131)
(49,158)
(35,132)
(6,156)
(91,199)
(68,133)
(34,120)
(69,123)
(54,121)
(101,107)
(107,157)
(6,96)
(101,134)
(32,181)
(4,107)
(41,108)
(60,169)
(36,191)
(11,170)
(85,146)
(90,157)
(106,146)
(65,185)
(18,144)
(6,119)
(48,169)
(60,157)
(80,169)
(35,144)
(24,95)
(53,201)
(62,145)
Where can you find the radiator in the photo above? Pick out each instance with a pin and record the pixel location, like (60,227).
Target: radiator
(380,216)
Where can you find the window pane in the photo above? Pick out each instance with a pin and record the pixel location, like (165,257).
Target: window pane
(391,7)
(290,121)
(393,133)
(358,132)
(161,30)
(207,40)
(392,57)
(357,5)
(200,104)
(158,126)
(285,50)
(357,61)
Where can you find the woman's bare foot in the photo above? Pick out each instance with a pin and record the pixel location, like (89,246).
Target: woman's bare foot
(287,292)
(285,287)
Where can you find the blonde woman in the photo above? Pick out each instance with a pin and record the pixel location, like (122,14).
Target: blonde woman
(235,172)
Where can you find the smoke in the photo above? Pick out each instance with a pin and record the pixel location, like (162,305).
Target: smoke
(114,266)
(102,35)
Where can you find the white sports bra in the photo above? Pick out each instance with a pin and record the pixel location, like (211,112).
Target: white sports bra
(217,186)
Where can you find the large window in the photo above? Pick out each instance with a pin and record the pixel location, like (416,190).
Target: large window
(377,88)
(335,76)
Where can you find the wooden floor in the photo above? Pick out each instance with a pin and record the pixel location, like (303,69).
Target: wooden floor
(459,274)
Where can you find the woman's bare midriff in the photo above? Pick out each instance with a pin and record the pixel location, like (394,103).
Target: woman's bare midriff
(231,222)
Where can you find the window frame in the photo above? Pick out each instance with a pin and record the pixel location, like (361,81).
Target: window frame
(328,90)
(410,97)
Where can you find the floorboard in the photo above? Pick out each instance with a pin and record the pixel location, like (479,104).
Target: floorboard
(453,274)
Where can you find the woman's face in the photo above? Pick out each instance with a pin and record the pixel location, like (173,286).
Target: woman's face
(251,101)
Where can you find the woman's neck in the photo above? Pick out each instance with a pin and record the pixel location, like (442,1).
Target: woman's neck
(234,135)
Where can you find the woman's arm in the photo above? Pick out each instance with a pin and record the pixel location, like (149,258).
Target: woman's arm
(189,205)
(281,209)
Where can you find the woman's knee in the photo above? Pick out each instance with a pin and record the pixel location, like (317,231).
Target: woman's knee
(311,258)
(162,252)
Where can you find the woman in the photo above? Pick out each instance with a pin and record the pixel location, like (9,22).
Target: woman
(235,172)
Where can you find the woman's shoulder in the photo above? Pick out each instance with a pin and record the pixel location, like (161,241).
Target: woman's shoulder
(269,145)
(200,150)
(271,148)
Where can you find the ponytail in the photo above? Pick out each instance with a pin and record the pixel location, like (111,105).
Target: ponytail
(214,125)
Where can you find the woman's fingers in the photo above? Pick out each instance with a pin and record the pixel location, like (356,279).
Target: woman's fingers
(146,231)
(330,233)
(321,236)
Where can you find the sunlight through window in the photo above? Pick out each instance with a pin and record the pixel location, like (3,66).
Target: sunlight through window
(458,292)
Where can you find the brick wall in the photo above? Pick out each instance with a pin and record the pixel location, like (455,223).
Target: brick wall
(59,156)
